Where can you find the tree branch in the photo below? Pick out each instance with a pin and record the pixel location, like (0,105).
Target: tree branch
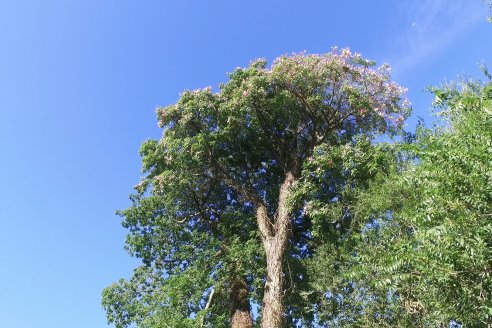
(207,306)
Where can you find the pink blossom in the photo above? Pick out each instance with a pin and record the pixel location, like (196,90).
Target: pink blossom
(379,111)
(399,120)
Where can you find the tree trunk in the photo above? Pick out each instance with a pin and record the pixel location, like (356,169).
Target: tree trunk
(273,298)
(241,308)
(275,237)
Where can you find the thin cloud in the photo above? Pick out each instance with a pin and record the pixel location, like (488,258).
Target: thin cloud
(433,25)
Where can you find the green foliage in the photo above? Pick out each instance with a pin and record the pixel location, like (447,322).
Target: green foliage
(427,244)
(224,154)
(174,229)
(330,188)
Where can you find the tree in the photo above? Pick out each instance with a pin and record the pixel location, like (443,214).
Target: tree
(428,230)
(217,192)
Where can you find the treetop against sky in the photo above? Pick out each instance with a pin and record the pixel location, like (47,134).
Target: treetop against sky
(79,83)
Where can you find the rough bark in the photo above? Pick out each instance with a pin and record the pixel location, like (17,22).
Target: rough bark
(275,237)
(241,308)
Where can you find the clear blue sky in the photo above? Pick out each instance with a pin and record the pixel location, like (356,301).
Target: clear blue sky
(79,82)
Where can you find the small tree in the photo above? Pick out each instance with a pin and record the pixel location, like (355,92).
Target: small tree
(221,178)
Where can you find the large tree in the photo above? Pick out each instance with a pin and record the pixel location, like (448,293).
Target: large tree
(213,218)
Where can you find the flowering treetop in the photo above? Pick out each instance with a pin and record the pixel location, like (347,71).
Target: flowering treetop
(223,172)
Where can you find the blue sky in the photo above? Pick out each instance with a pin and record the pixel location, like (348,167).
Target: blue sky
(79,83)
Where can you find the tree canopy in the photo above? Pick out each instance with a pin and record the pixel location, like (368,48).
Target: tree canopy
(433,250)
(422,256)
(218,219)
(276,191)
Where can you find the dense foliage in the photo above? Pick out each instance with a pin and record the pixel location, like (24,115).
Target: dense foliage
(213,211)
(423,254)
(283,172)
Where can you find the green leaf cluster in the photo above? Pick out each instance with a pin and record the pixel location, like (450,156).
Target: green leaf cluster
(423,251)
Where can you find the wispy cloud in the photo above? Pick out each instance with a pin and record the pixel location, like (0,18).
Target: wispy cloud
(433,25)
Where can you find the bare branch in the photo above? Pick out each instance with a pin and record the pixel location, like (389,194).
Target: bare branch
(207,306)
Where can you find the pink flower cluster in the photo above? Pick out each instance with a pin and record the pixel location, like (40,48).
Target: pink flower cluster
(346,79)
